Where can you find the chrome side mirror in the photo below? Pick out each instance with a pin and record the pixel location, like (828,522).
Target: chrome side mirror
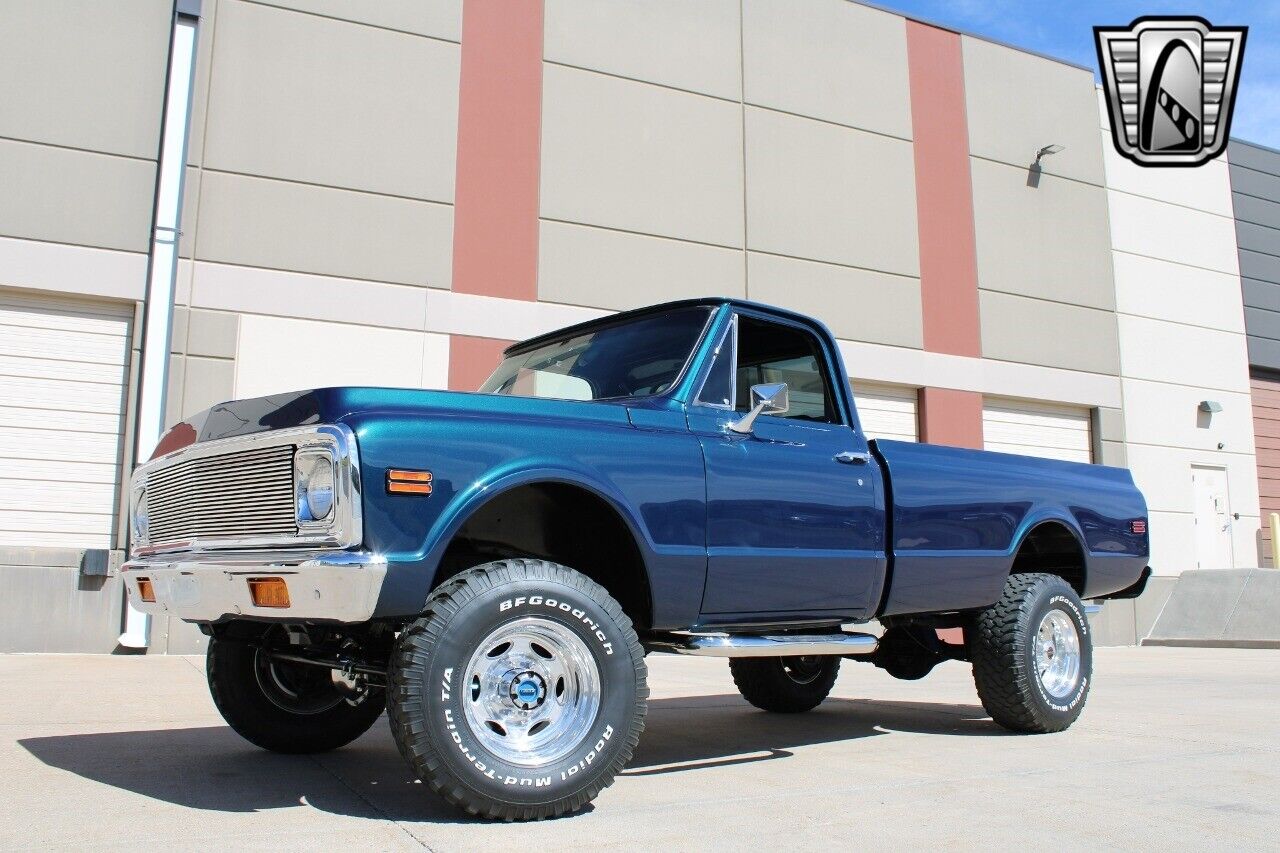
(773,399)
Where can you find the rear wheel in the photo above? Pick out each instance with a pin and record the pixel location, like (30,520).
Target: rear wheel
(286,707)
(785,685)
(1032,655)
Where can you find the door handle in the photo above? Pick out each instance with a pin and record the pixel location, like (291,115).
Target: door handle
(850,457)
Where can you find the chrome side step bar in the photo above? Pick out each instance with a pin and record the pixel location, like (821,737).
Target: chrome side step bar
(765,646)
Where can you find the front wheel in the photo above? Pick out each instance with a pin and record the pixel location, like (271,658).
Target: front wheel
(285,707)
(520,692)
(1033,655)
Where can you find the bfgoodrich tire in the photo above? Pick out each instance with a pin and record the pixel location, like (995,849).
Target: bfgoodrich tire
(789,685)
(284,707)
(1032,655)
(520,692)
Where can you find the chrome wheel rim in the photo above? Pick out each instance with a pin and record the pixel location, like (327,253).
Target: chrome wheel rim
(1058,654)
(533,692)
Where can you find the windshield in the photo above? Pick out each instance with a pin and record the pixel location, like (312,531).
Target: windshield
(635,358)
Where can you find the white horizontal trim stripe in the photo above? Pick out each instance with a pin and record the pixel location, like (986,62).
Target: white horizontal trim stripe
(900,365)
(307,296)
(72,270)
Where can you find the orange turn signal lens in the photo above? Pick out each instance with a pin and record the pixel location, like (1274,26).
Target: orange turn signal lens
(269,592)
(408,482)
(145,591)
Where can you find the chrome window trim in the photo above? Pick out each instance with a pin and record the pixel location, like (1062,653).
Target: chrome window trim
(729,335)
(344,530)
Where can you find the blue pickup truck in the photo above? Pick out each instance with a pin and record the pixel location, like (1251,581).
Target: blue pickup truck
(492,568)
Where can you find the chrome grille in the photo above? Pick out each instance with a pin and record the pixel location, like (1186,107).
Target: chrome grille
(247,493)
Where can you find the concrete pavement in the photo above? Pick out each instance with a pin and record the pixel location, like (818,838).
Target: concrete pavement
(1178,748)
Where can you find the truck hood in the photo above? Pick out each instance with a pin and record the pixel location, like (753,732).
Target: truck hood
(335,405)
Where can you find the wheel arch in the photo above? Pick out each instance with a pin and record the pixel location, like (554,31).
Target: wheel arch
(1052,545)
(550,515)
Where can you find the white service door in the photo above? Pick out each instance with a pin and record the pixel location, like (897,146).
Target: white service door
(63,374)
(1037,429)
(1212,518)
(887,411)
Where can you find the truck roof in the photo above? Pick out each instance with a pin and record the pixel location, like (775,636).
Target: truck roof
(624,316)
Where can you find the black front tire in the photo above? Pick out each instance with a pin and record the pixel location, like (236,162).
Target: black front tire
(437,702)
(785,685)
(290,708)
(1007,669)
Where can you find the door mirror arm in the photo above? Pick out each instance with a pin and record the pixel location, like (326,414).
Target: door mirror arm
(771,399)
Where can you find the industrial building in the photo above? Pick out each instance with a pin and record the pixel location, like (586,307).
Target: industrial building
(390,193)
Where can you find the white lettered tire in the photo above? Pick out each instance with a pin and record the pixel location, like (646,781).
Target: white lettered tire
(520,692)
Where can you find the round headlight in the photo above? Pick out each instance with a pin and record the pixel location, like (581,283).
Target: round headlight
(141,521)
(318,491)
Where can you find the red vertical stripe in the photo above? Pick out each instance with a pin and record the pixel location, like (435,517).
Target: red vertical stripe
(944,204)
(951,417)
(472,360)
(495,214)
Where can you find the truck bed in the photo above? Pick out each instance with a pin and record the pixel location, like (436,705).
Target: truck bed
(958,516)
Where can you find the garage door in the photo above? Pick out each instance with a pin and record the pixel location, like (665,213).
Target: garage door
(62,390)
(1037,429)
(1266,436)
(887,411)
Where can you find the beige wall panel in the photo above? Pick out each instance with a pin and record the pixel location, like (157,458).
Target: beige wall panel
(580,265)
(290,226)
(1168,415)
(694,46)
(1048,241)
(75,197)
(1172,232)
(1163,290)
(211,333)
(1183,355)
(1018,103)
(268,360)
(640,157)
(1033,331)
(856,304)
(830,193)
(207,382)
(84,73)
(436,18)
(828,59)
(328,102)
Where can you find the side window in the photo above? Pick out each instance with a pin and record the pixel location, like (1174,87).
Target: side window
(773,352)
(717,390)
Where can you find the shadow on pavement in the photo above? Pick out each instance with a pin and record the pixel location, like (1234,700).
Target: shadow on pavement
(212,768)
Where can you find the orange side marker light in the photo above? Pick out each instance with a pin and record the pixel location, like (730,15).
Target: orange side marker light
(401,482)
(145,591)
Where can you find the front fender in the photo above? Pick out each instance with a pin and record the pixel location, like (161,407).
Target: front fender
(652,479)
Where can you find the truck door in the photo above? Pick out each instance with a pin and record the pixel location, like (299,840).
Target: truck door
(795,523)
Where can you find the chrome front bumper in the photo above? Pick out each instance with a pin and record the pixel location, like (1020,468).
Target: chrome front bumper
(328,586)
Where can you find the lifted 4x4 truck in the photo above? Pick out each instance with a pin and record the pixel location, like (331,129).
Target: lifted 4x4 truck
(492,568)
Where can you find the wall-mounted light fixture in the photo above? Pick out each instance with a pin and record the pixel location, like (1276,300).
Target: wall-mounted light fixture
(1210,406)
(1047,150)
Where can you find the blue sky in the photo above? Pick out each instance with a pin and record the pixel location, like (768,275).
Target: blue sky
(1065,29)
